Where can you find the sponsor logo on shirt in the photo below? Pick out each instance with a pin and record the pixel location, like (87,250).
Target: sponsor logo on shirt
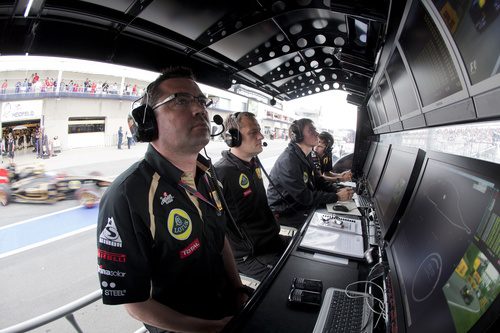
(244,182)
(103,271)
(110,235)
(325,160)
(166,198)
(258,172)
(179,224)
(190,249)
(306,177)
(112,292)
(111,256)
(247,192)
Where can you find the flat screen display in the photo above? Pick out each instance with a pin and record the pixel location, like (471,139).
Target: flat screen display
(369,158)
(397,181)
(377,167)
(428,57)
(446,247)
(388,98)
(380,107)
(401,84)
(474,26)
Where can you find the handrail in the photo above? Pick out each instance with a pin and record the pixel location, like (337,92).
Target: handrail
(63,311)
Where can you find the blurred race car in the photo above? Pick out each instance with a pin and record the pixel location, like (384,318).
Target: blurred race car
(32,185)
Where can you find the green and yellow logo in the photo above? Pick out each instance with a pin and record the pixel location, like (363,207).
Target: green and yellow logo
(244,182)
(306,177)
(179,224)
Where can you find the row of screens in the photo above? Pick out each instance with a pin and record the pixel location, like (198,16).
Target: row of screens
(445,250)
(474,27)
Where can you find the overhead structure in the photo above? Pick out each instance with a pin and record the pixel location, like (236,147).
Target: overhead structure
(287,49)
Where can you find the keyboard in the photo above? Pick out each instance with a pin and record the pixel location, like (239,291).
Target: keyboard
(341,313)
(362,201)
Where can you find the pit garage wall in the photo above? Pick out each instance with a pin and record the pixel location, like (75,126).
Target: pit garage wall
(57,111)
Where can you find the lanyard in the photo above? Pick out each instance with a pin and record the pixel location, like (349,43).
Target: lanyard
(196,193)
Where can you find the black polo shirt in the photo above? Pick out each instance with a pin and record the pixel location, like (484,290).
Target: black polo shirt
(245,195)
(152,241)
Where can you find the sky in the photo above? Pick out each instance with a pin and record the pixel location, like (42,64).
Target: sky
(335,111)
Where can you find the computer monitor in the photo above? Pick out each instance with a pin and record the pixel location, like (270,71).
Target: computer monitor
(369,158)
(377,167)
(431,62)
(444,255)
(396,185)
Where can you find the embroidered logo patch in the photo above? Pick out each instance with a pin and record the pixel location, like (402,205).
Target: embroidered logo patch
(325,160)
(179,224)
(190,249)
(244,182)
(166,198)
(258,172)
(110,235)
(306,177)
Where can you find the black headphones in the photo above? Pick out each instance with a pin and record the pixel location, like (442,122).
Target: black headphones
(325,136)
(295,132)
(232,137)
(142,122)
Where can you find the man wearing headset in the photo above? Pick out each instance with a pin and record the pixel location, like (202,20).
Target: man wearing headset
(162,250)
(243,188)
(294,188)
(321,156)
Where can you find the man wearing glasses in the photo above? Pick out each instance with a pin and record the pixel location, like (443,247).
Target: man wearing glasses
(162,250)
(294,189)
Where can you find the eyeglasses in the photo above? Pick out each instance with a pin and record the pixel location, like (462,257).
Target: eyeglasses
(184,100)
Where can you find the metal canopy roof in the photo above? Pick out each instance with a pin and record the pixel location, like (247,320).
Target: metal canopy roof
(287,49)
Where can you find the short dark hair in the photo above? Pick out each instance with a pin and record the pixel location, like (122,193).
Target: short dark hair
(234,120)
(153,92)
(328,139)
(296,128)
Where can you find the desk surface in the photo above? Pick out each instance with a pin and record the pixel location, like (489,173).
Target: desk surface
(271,313)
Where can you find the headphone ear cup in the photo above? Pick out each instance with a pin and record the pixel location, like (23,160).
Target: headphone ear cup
(296,135)
(144,127)
(232,137)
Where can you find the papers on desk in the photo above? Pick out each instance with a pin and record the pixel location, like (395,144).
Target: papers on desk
(348,184)
(332,240)
(351,205)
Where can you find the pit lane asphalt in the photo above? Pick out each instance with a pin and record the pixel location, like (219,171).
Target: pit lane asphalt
(62,269)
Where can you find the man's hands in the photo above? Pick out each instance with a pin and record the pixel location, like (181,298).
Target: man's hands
(345,194)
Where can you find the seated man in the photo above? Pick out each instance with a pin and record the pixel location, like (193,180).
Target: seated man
(294,188)
(321,156)
(245,195)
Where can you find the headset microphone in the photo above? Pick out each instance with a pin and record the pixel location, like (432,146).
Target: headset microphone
(264,144)
(219,121)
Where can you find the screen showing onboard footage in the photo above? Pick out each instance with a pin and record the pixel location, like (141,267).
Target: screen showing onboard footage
(446,247)
(475,26)
(388,99)
(397,181)
(428,57)
(401,84)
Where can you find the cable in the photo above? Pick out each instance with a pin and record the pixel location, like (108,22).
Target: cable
(274,186)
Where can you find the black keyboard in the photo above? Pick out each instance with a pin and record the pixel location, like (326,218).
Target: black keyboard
(363,201)
(341,313)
